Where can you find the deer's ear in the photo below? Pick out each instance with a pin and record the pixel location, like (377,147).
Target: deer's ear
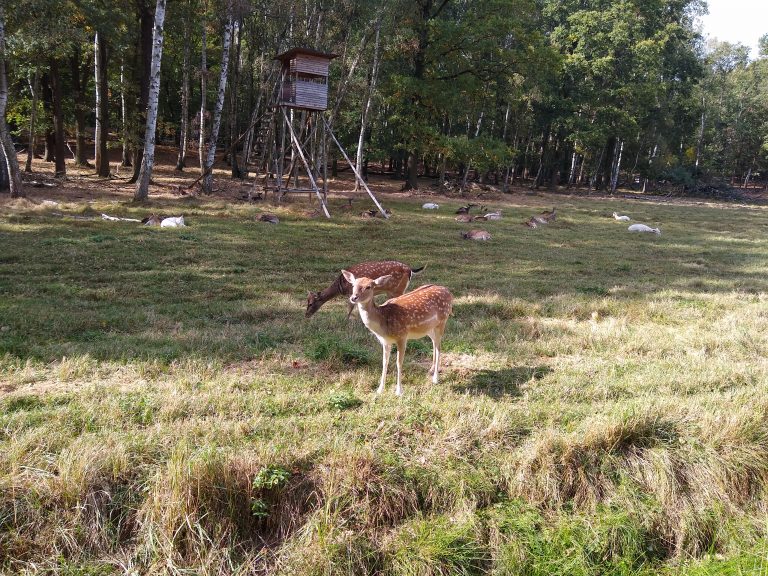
(382,279)
(348,276)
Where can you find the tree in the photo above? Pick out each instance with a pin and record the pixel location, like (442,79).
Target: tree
(207,167)
(102,104)
(9,151)
(142,185)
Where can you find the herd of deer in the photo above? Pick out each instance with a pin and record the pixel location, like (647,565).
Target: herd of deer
(404,316)
(407,316)
(421,312)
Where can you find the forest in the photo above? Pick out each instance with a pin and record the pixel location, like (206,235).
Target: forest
(594,93)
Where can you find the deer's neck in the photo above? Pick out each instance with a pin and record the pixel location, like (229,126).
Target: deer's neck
(373,318)
(335,289)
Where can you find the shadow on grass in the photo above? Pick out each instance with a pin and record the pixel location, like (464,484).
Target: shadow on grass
(501,383)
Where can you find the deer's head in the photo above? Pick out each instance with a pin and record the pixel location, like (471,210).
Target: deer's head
(313,303)
(363,288)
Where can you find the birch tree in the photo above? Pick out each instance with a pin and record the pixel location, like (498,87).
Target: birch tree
(102,105)
(9,152)
(181,162)
(207,183)
(367,105)
(203,97)
(145,173)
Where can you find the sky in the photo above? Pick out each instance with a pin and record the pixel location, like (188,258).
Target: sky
(734,21)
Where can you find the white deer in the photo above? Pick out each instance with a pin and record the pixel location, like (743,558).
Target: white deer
(421,312)
(623,218)
(643,228)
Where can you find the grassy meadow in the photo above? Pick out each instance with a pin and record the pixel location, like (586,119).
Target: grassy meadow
(165,407)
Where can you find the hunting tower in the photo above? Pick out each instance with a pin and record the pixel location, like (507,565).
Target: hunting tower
(302,87)
(304,79)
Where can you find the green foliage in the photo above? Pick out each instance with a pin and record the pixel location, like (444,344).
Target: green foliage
(271,477)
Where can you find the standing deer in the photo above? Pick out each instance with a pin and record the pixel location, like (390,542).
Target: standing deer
(399,276)
(421,312)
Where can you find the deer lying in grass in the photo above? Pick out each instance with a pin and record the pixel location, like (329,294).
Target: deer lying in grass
(548,216)
(643,228)
(476,235)
(422,312)
(398,274)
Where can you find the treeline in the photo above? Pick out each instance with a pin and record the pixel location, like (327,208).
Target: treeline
(598,93)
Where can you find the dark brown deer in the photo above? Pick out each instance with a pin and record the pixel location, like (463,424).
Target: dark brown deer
(398,277)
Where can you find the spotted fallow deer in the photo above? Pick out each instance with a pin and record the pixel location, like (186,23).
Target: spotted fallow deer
(399,276)
(421,312)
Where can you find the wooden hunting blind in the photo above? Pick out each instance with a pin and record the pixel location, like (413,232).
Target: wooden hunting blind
(304,78)
(294,117)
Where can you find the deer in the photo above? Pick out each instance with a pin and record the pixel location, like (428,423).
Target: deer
(548,216)
(398,274)
(421,312)
(465,209)
(643,228)
(623,218)
(476,235)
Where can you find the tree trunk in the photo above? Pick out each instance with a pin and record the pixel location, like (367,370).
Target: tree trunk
(616,166)
(369,98)
(58,118)
(145,172)
(203,97)
(207,184)
(181,162)
(413,172)
(102,106)
(233,128)
(147,20)
(125,157)
(34,86)
(78,88)
(6,143)
(50,139)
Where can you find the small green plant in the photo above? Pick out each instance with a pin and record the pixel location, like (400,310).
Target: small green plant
(271,477)
(259,508)
(344,400)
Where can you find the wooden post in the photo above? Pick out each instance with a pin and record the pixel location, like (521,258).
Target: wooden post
(300,152)
(354,169)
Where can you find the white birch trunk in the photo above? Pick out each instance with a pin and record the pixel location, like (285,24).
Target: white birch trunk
(203,98)
(181,162)
(229,29)
(367,107)
(102,123)
(616,166)
(6,143)
(125,159)
(33,86)
(147,162)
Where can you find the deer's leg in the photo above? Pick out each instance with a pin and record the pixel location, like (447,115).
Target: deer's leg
(436,337)
(386,351)
(400,357)
(350,307)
